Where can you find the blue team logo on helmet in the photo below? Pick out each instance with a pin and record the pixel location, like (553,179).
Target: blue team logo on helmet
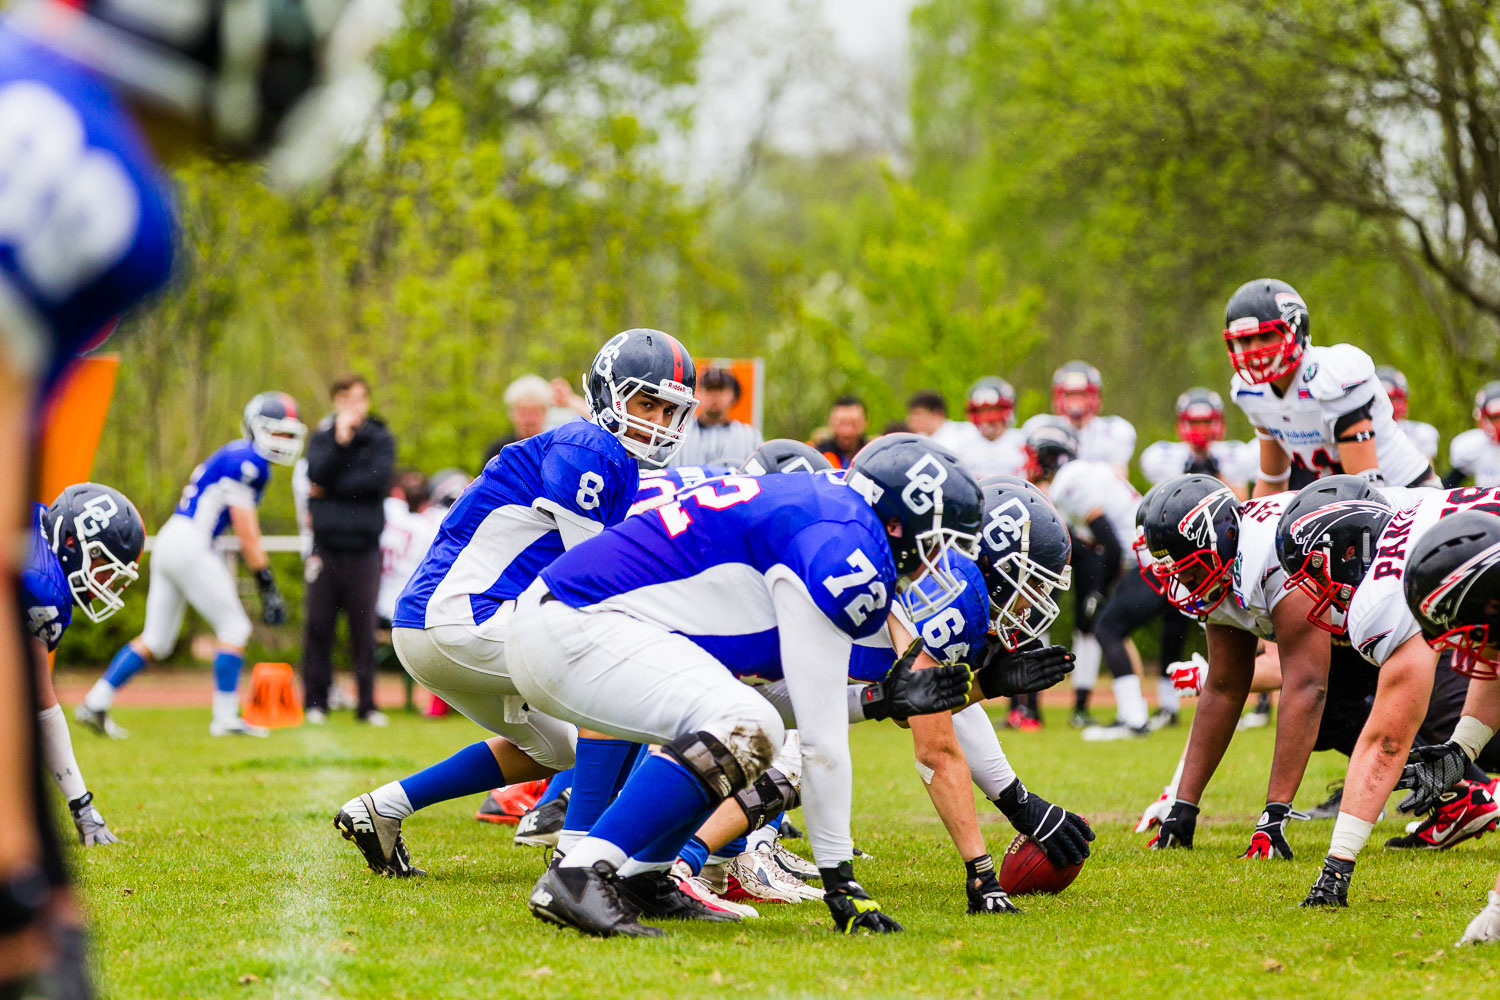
(97,536)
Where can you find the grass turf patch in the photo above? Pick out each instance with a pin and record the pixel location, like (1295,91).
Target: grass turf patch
(233,882)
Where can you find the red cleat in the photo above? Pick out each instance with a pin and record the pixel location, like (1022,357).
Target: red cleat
(437,708)
(1466,810)
(507,805)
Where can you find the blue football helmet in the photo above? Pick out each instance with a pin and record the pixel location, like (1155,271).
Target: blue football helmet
(97,536)
(1025,555)
(275,431)
(648,361)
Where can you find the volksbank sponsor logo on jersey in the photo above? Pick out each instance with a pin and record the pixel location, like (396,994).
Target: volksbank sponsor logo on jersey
(1298,435)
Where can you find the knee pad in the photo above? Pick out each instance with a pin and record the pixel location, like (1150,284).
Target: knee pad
(772,793)
(710,762)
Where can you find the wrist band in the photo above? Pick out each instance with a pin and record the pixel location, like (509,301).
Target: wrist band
(1281,478)
(1471,735)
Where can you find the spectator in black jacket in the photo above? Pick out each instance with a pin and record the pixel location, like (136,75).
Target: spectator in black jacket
(349,462)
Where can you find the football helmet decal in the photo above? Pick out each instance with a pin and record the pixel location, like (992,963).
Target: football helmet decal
(784,455)
(1186,542)
(1452,585)
(1326,542)
(1024,555)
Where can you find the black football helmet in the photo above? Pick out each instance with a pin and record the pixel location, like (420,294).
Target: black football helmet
(1024,554)
(991,404)
(97,536)
(1188,534)
(272,424)
(784,455)
(445,486)
(1050,444)
(930,506)
(1326,543)
(648,361)
(1200,417)
(1266,305)
(1452,586)
(1487,410)
(252,76)
(1395,389)
(1076,377)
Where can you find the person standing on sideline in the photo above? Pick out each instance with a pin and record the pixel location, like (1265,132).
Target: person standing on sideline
(713,438)
(847,422)
(350,458)
(528,400)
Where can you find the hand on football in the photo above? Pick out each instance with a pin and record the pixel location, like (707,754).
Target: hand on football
(1064,836)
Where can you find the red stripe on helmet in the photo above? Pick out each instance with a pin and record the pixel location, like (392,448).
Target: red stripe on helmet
(676,358)
(290,405)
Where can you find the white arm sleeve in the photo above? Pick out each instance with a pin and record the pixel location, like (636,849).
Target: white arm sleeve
(815,662)
(988,765)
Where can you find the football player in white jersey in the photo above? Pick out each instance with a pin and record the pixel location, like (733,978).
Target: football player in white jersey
(998,449)
(1200,446)
(1349,556)
(1076,398)
(224,492)
(1317,411)
(927,415)
(1424,436)
(1475,454)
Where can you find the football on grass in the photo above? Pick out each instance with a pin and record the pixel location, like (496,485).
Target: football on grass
(1025,869)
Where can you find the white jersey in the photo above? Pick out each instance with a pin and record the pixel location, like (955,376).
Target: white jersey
(956,435)
(1476,456)
(1106,439)
(1329,383)
(1379,619)
(1258,579)
(404,540)
(1238,461)
(1080,488)
(1004,456)
(1424,437)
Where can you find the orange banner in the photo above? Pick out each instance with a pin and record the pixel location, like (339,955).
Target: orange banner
(74,423)
(751,374)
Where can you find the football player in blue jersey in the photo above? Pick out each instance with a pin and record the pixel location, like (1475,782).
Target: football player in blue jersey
(84,551)
(535,500)
(645,632)
(224,491)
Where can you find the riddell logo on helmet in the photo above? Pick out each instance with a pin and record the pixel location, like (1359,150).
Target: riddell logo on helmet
(676,387)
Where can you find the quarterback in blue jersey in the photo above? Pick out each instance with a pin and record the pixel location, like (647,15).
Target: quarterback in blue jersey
(224,491)
(535,500)
(644,633)
(83,552)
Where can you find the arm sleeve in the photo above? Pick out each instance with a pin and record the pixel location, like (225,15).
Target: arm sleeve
(1352,417)
(815,662)
(1104,534)
(988,765)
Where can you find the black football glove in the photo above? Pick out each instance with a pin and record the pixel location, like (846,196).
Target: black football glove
(272,604)
(1003,674)
(1269,838)
(852,908)
(1064,836)
(906,692)
(1332,885)
(1430,771)
(983,888)
(1177,829)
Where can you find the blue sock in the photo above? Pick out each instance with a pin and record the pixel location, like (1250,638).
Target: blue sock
(126,664)
(695,852)
(561,782)
(599,770)
(734,848)
(227,671)
(473,769)
(660,799)
(775,824)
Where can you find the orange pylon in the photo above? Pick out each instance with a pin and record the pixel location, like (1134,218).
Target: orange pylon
(272,701)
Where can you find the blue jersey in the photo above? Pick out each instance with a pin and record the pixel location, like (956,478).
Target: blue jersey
(234,476)
(703,565)
(661,486)
(503,529)
(86,228)
(45,595)
(955,634)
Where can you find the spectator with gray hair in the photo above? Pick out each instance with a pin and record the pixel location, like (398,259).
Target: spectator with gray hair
(711,437)
(527,401)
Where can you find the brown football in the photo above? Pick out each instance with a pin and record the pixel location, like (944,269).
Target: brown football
(1025,869)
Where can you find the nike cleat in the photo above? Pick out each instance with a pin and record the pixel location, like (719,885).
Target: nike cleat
(507,805)
(659,894)
(100,722)
(377,837)
(1464,811)
(543,826)
(586,900)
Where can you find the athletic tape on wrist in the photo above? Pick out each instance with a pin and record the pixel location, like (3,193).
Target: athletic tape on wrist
(1349,836)
(1471,735)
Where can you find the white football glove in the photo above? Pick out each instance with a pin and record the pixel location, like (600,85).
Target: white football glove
(1187,675)
(1155,812)
(1484,928)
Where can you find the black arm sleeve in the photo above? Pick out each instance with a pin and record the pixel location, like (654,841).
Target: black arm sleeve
(1351,418)
(1454,478)
(1104,534)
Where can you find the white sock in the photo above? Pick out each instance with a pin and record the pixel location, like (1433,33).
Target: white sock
(226,705)
(1130,706)
(592,849)
(633,866)
(390,800)
(1087,655)
(57,752)
(569,839)
(763,837)
(1166,695)
(101,697)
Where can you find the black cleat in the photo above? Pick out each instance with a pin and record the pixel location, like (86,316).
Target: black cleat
(585,899)
(1329,809)
(655,894)
(543,824)
(377,837)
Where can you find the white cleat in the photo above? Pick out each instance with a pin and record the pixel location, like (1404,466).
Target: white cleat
(236,726)
(755,876)
(792,863)
(698,887)
(1118,731)
(100,722)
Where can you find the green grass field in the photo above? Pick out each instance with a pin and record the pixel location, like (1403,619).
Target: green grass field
(232,882)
